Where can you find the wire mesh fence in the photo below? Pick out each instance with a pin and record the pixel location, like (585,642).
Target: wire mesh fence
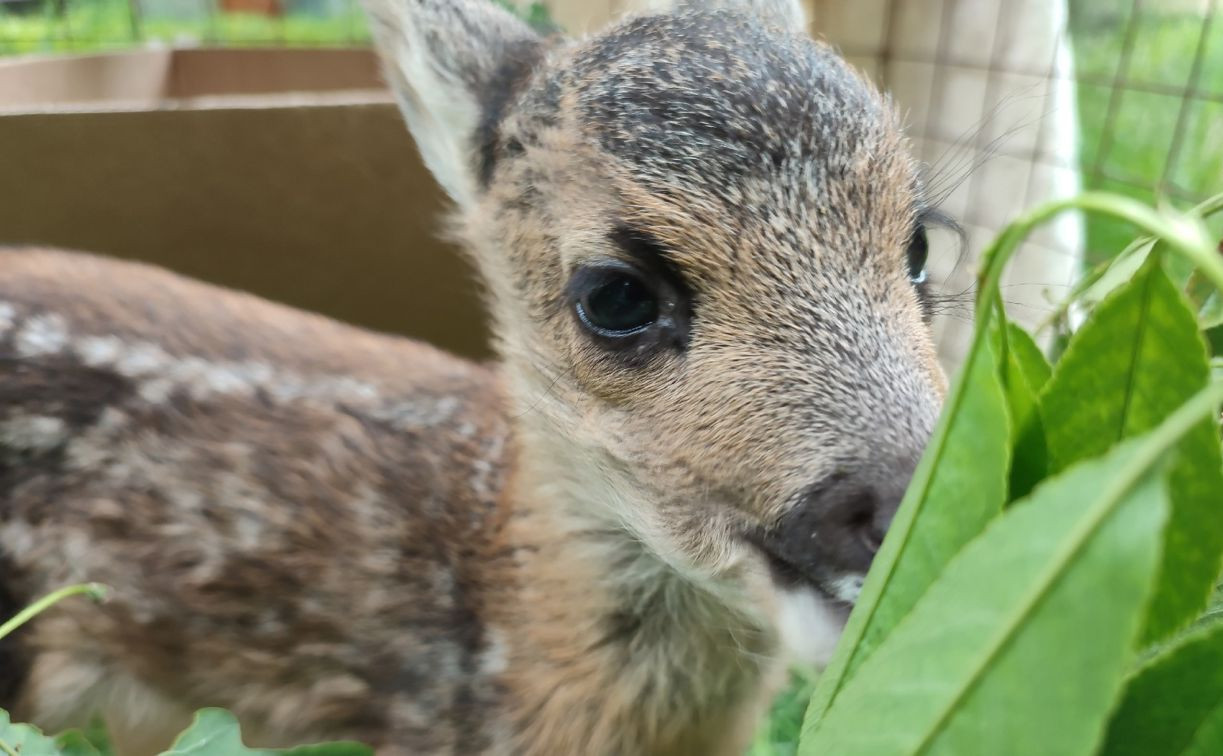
(1012,102)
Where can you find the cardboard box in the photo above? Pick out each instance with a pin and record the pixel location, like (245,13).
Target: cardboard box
(287,173)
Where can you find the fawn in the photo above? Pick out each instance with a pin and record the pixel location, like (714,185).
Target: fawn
(702,240)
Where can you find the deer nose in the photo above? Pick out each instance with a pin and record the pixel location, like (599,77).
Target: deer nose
(836,528)
(851,520)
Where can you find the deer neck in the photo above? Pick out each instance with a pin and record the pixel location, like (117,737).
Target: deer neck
(609,648)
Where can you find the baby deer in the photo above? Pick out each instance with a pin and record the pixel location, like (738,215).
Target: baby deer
(702,240)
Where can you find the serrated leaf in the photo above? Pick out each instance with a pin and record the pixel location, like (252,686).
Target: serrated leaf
(958,487)
(1024,371)
(23,739)
(1171,699)
(1134,361)
(1021,644)
(215,732)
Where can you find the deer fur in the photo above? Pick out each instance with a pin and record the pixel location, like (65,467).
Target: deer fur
(582,548)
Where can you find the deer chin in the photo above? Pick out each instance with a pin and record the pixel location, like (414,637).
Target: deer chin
(812,611)
(838,588)
(809,623)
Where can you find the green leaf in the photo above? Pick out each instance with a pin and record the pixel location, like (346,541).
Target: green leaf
(1209,739)
(25,740)
(1117,273)
(1168,702)
(1032,362)
(1214,337)
(958,487)
(1020,646)
(1185,235)
(98,736)
(75,743)
(1024,370)
(1134,361)
(215,732)
(1211,313)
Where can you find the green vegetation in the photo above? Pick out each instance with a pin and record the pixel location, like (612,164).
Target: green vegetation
(100,25)
(1027,638)
(1137,142)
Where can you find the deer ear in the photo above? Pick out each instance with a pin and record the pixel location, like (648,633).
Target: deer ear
(449,63)
(787,14)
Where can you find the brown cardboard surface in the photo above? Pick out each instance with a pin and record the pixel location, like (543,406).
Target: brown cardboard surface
(316,199)
(151,76)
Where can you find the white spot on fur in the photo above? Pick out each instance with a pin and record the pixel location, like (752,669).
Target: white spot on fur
(488,465)
(33,433)
(156,391)
(249,529)
(142,359)
(810,625)
(42,335)
(418,414)
(112,419)
(19,539)
(494,659)
(847,587)
(160,374)
(97,351)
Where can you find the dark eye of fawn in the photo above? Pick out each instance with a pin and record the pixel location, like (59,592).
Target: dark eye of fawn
(618,305)
(919,249)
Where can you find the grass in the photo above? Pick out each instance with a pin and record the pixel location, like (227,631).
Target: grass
(99,25)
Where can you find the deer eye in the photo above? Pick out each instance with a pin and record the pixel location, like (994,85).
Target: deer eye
(919,249)
(614,302)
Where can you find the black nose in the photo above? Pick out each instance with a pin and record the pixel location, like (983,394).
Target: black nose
(838,525)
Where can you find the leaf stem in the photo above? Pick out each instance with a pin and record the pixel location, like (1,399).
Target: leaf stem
(1205,209)
(96,591)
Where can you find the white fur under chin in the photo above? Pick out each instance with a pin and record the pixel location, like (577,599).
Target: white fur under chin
(810,625)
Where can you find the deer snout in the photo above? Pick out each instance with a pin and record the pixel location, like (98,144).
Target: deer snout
(829,538)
